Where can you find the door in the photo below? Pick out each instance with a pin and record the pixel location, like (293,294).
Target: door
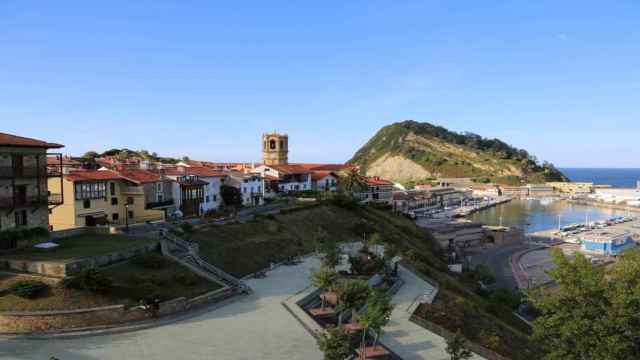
(90,221)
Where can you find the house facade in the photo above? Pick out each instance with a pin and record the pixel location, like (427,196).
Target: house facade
(100,198)
(149,194)
(196,189)
(291,178)
(324,181)
(251,187)
(24,190)
(379,191)
(606,243)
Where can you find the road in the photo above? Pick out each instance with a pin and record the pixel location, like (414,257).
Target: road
(254,327)
(497,259)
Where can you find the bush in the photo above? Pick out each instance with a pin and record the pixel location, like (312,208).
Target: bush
(187,279)
(28,289)
(186,227)
(151,260)
(90,279)
(484,274)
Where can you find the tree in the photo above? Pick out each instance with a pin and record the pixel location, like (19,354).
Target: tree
(231,196)
(335,344)
(325,279)
(590,314)
(331,253)
(352,182)
(90,155)
(379,309)
(456,347)
(352,295)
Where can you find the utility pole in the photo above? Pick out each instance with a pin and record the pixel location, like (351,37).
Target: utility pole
(559,222)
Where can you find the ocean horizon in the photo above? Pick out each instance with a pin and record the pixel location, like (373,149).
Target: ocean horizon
(616,177)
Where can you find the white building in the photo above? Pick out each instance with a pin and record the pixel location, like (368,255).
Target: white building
(291,178)
(251,187)
(324,181)
(379,191)
(617,196)
(211,198)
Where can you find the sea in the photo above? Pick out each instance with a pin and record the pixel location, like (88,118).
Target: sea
(536,215)
(618,178)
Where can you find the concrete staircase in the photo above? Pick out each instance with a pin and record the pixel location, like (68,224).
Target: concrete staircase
(188,254)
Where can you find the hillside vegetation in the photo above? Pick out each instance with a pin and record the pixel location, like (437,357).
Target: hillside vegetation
(410,151)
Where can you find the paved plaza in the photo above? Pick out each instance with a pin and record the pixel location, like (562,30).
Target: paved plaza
(405,338)
(253,327)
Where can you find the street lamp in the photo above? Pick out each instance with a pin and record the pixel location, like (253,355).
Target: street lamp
(126,217)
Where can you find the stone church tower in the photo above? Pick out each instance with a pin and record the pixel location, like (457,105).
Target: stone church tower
(275,149)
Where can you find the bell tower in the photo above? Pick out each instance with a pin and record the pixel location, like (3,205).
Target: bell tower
(275,149)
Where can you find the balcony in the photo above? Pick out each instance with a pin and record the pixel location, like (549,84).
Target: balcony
(22,172)
(159,204)
(134,190)
(55,199)
(28,201)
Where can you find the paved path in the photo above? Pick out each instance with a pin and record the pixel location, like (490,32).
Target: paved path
(405,338)
(254,327)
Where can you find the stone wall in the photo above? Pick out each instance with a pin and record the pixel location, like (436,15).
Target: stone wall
(24,322)
(62,269)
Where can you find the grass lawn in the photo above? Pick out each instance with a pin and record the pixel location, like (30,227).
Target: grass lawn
(131,283)
(81,246)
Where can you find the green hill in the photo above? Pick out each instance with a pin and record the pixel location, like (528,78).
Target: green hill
(410,151)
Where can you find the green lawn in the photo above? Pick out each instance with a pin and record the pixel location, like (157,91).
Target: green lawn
(81,246)
(131,281)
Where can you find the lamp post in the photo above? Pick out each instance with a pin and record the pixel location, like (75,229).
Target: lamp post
(126,217)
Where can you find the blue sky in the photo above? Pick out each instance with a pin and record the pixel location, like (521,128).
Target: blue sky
(206,78)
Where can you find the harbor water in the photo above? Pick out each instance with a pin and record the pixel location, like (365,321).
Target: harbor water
(538,215)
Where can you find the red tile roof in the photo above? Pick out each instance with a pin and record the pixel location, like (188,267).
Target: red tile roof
(93,175)
(290,169)
(197,171)
(323,167)
(141,176)
(319,175)
(374,180)
(14,140)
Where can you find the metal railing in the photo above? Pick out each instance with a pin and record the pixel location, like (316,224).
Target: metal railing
(55,199)
(158,204)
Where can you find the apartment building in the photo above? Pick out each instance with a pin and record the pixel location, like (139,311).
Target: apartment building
(104,197)
(251,187)
(379,191)
(24,192)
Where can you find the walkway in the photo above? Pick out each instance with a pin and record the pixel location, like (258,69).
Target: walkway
(405,338)
(254,327)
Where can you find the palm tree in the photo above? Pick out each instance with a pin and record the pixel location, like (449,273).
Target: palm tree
(325,279)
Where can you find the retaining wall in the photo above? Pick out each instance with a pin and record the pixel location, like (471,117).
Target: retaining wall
(22,322)
(62,269)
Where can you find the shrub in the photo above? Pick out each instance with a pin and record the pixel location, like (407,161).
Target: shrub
(187,279)
(90,279)
(151,260)
(28,289)
(484,274)
(186,227)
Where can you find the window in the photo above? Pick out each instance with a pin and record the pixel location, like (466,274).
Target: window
(130,214)
(21,218)
(215,198)
(244,190)
(272,144)
(130,200)
(281,144)
(159,188)
(112,188)
(206,199)
(90,190)
(114,201)
(86,204)
(160,197)
(115,216)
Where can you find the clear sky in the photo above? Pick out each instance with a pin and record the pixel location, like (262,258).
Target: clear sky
(206,78)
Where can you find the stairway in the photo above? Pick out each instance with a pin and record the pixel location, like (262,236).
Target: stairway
(187,254)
